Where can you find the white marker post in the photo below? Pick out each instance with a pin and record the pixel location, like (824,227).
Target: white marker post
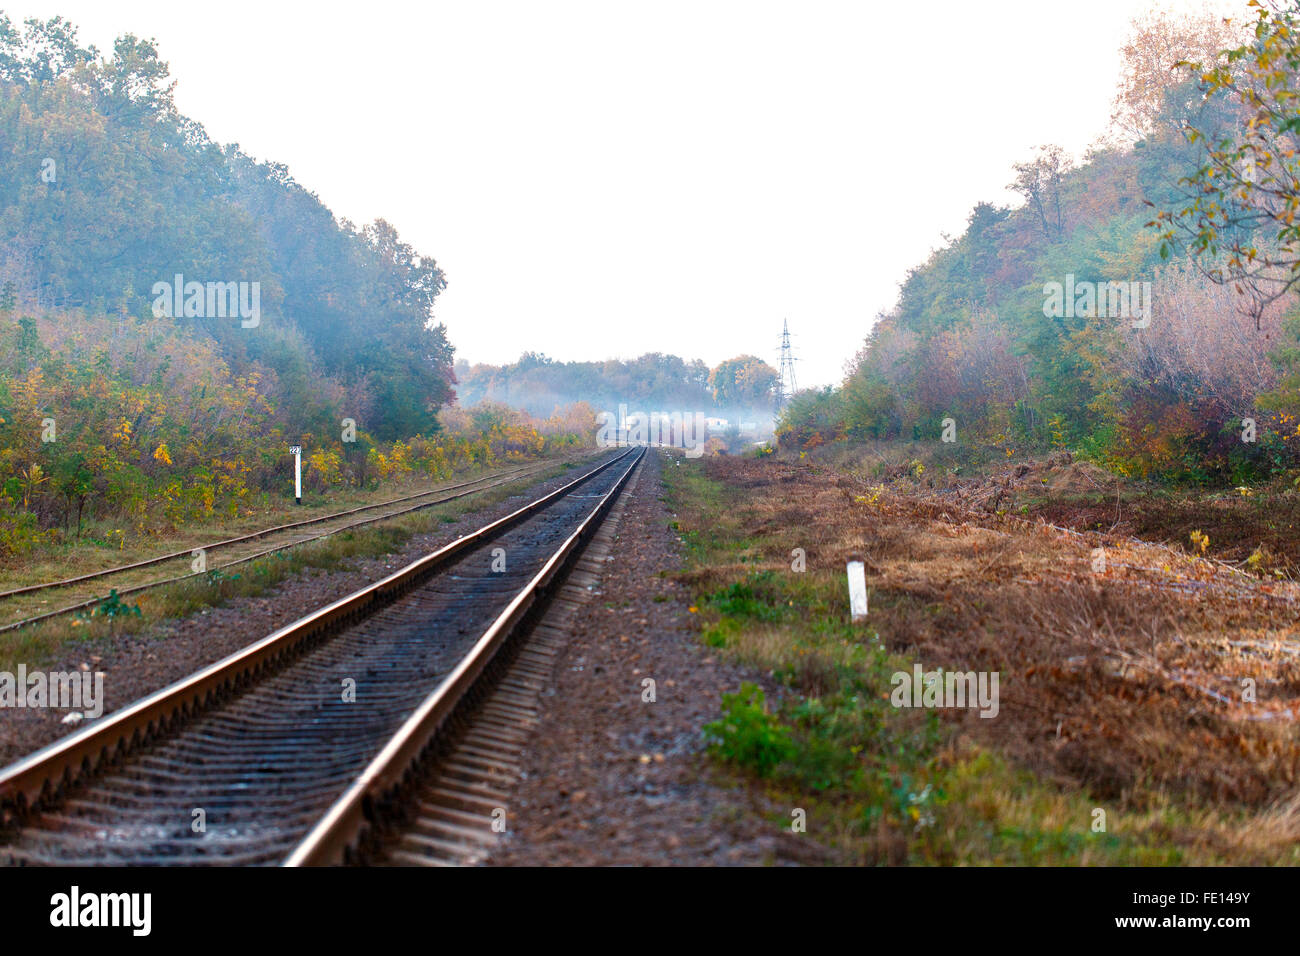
(857,569)
(297,473)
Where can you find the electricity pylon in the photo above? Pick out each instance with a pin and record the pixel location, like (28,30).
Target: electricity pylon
(786,386)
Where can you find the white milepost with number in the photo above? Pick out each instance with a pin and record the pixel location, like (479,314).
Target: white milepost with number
(297,473)
(857,588)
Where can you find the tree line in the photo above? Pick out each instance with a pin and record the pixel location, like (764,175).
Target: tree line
(122,420)
(1138,306)
(108,190)
(744,385)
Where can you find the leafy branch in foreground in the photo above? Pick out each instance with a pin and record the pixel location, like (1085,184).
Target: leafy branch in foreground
(1238,216)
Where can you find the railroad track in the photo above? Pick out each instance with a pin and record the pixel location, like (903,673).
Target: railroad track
(300,747)
(457,806)
(291,534)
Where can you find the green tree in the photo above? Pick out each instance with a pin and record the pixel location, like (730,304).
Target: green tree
(744,382)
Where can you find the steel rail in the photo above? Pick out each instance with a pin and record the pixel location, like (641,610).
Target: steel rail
(29,782)
(347,823)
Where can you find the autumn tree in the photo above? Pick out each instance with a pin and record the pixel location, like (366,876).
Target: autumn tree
(1040,181)
(1158,42)
(1237,214)
(744,382)
(108,189)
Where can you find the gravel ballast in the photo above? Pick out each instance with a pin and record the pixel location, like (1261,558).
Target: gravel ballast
(611,779)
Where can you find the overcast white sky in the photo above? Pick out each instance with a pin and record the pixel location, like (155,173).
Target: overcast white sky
(604,179)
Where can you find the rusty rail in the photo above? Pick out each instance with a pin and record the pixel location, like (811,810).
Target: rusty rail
(334,838)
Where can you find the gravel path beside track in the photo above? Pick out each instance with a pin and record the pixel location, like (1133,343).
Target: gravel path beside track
(610,779)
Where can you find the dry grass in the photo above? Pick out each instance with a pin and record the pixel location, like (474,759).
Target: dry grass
(1120,690)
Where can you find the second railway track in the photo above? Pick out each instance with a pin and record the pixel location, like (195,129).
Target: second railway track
(269,541)
(285,749)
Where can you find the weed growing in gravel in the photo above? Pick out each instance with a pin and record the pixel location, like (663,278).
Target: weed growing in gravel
(747,734)
(112,609)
